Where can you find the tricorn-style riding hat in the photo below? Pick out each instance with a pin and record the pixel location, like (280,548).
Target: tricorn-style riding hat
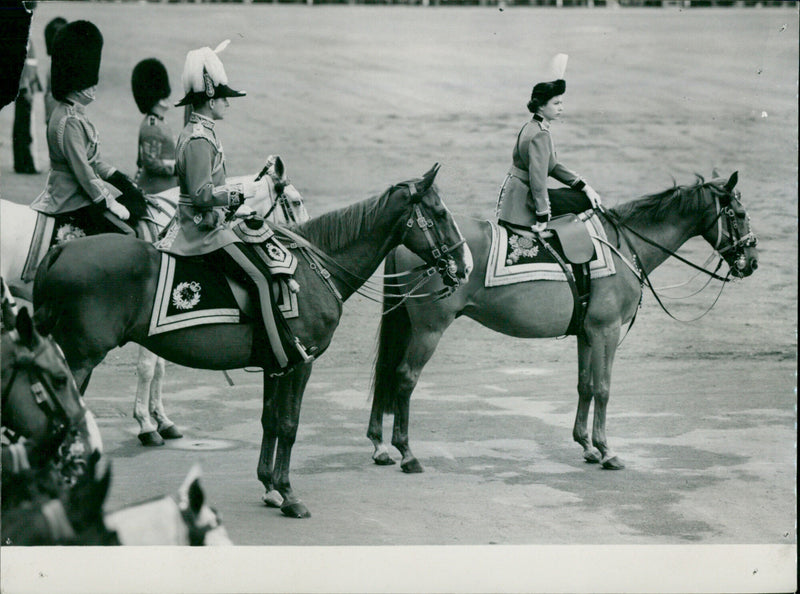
(150,84)
(76,58)
(204,76)
(53,27)
(544,91)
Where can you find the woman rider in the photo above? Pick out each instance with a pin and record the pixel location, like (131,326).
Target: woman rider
(76,192)
(525,200)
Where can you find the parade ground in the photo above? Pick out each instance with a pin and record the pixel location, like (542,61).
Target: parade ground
(356,98)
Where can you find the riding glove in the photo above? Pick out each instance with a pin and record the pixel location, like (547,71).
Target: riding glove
(593,196)
(119,210)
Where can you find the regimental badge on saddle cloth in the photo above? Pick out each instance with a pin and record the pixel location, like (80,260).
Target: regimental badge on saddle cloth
(278,259)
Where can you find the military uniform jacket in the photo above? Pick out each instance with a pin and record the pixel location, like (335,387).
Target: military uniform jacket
(76,169)
(156,156)
(199,224)
(524,192)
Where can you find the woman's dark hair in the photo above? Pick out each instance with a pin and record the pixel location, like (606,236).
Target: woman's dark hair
(544,91)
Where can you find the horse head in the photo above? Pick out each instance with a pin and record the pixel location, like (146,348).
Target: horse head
(40,400)
(288,206)
(728,228)
(432,233)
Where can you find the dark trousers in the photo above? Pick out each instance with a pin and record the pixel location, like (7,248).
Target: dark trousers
(22,137)
(566,200)
(93,220)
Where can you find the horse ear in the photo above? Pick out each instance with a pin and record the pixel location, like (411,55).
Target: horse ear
(25,327)
(280,169)
(731,183)
(427,179)
(196,496)
(714,173)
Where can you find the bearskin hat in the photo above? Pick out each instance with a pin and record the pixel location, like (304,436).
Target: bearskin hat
(53,27)
(150,83)
(76,58)
(204,76)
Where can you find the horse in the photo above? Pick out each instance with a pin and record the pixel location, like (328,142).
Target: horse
(59,515)
(41,402)
(275,198)
(53,489)
(643,233)
(92,306)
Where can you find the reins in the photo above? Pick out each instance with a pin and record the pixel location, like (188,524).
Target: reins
(644,278)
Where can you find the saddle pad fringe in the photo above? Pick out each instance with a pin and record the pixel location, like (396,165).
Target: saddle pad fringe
(502,267)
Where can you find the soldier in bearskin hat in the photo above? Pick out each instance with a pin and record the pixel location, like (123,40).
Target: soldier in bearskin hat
(76,191)
(525,200)
(156,152)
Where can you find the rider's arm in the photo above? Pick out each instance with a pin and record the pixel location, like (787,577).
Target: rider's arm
(538,162)
(90,175)
(199,155)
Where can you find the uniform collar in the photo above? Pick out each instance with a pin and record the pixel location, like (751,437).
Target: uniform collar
(197,118)
(543,123)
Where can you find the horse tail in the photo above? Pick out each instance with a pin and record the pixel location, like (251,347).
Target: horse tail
(45,304)
(393,337)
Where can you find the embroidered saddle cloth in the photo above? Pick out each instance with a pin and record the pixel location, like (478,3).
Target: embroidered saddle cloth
(50,230)
(517,258)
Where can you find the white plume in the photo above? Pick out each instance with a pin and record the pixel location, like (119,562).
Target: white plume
(558,66)
(200,60)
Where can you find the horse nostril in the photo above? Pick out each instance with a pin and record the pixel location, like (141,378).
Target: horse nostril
(753,264)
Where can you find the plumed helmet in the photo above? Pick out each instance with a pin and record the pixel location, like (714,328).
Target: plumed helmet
(76,58)
(50,30)
(204,76)
(556,85)
(150,84)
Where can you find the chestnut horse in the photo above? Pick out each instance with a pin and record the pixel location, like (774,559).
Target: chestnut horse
(642,234)
(93,305)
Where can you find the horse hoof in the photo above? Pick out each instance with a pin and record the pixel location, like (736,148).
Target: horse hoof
(295,510)
(613,463)
(170,432)
(383,459)
(151,438)
(412,466)
(592,456)
(272,498)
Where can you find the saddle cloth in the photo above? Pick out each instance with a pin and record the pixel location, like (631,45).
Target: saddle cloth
(517,259)
(189,293)
(52,230)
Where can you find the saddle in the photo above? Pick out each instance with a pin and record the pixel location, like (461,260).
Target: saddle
(569,244)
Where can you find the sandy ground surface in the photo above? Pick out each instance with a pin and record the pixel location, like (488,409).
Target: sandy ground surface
(356,98)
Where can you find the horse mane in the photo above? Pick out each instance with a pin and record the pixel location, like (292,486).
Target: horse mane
(336,229)
(656,207)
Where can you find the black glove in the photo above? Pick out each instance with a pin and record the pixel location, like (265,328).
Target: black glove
(132,197)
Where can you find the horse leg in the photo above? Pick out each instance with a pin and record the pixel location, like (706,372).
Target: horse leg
(145,370)
(381,455)
(419,351)
(604,345)
(580,431)
(166,428)
(290,398)
(269,440)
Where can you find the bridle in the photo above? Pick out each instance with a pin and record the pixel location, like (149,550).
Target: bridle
(440,260)
(440,251)
(44,393)
(738,242)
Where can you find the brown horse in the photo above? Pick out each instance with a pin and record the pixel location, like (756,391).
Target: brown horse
(92,304)
(642,234)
